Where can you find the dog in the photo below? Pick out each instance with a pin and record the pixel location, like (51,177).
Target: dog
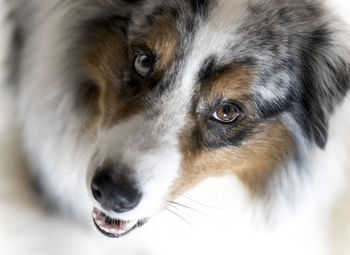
(124,106)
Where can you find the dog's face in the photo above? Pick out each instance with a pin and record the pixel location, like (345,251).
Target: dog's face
(192,89)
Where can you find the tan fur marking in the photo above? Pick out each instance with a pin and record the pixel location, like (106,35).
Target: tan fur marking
(106,63)
(234,83)
(108,58)
(163,40)
(253,162)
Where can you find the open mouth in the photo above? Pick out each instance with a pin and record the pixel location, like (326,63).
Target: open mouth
(115,227)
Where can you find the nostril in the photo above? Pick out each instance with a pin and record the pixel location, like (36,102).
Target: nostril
(100,185)
(96,192)
(115,191)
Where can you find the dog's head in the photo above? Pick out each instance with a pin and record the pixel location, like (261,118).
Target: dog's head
(184,90)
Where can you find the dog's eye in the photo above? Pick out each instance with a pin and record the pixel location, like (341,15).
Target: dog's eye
(226,113)
(142,64)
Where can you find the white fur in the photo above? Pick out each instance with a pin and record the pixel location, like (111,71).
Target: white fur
(149,148)
(149,145)
(227,226)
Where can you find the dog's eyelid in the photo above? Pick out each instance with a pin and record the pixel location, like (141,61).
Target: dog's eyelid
(238,104)
(141,48)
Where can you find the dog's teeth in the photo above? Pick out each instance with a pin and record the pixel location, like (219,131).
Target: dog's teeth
(121,231)
(108,230)
(109,221)
(130,224)
(113,226)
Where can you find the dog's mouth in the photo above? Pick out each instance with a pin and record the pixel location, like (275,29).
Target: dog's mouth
(115,227)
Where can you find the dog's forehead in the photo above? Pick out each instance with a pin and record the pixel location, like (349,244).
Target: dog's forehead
(203,34)
(264,37)
(208,27)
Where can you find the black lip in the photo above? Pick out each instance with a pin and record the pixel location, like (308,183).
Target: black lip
(138,224)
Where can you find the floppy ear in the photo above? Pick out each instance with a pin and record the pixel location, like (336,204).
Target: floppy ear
(104,54)
(325,80)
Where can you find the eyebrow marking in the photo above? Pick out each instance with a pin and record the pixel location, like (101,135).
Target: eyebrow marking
(207,70)
(200,7)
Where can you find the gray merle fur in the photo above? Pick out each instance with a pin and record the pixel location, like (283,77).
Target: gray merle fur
(288,44)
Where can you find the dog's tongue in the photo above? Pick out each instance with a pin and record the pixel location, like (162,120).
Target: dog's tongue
(112,227)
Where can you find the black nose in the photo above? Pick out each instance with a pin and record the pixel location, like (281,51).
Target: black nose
(114,192)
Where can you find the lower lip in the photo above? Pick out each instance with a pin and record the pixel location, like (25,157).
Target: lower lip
(114,227)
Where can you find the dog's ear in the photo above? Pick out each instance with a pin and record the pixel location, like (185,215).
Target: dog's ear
(325,79)
(103,53)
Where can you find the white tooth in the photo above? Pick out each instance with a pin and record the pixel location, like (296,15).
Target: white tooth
(121,231)
(131,223)
(108,230)
(94,214)
(99,222)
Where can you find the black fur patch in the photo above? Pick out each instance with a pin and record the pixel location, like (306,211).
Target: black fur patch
(200,7)
(115,22)
(222,138)
(133,1)
(214,135)
(17,42)
(211,68)
(321,95)
(207,71)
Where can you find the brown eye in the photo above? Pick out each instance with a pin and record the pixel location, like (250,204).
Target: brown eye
(226,113)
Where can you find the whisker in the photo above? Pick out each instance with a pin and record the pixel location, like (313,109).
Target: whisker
(179,210)
(189,207)
(178,215)
(199,203)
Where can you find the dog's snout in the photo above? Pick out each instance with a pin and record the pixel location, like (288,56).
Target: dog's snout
(114,192)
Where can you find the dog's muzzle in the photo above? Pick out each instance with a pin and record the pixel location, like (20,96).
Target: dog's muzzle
(115,193)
